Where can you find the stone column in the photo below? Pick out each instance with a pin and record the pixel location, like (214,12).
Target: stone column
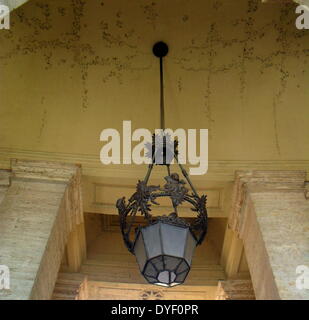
(232,257)
(270,213)
(40,208)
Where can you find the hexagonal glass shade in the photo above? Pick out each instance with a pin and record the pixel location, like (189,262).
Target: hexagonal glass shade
(164,253)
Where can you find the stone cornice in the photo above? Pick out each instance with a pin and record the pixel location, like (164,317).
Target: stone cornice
(43,170)
(262,181)
(219,170)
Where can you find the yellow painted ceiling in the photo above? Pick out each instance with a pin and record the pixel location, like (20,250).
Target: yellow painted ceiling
(69,69)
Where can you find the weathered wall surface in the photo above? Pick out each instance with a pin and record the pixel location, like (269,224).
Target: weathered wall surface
(69,69)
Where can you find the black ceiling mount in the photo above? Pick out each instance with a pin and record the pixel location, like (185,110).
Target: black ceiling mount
(160,49)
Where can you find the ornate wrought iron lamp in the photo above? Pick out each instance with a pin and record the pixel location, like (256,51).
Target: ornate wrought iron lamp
(164,247)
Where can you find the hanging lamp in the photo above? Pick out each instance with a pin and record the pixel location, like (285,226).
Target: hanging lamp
(164,246)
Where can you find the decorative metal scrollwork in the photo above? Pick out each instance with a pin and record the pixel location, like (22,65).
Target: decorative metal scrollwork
(146,196)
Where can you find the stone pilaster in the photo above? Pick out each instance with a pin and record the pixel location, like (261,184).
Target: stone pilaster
(270,213)
(40,208)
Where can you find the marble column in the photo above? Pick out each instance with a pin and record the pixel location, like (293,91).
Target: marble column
(270,213)
(39,209)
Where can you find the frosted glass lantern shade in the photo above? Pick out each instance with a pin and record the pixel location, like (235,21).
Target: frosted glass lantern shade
(164,253)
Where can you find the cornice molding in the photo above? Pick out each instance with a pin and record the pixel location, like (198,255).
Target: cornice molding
(219,170)
(261,181)
(43,170)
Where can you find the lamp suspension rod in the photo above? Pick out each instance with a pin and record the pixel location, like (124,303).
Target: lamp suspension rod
(162,118)
(185,174)
(162,114)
